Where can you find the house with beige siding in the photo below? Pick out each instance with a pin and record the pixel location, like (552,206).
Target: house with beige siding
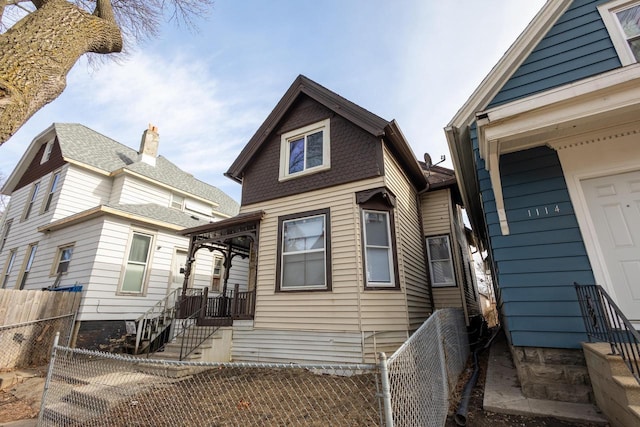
(351,241)
(87,210)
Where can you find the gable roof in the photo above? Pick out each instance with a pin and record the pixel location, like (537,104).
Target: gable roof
(457,130)
(85,147)
(357,115)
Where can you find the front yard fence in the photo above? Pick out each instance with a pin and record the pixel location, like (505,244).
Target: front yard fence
(92,388)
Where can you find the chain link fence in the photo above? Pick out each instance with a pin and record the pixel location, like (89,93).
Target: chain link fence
(29,343)
(424,371)
(92,388)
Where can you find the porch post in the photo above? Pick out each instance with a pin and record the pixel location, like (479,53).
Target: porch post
(227,267)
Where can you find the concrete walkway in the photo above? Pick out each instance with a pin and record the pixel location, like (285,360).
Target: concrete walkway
(502,393)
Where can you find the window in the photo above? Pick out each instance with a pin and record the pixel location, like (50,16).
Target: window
(305,150)
(378,248)
(218,268)
(32,199)
(622,19)
(440,261)
(47,152)
(8,267)
(304,252)
(31,254)
(5,233)
(63,258)
(52,190)
(177,201)
(137,263)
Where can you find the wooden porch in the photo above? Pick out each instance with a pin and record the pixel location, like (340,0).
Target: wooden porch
(217,310)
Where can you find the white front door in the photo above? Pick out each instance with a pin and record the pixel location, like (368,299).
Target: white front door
(614,207)
(177,269)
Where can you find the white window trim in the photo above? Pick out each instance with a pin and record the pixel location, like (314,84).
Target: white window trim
(282,254)
(392,282)
(292,135)
(11,259)
(58,258)
(33,195)
(171,202)
(46,155)
(431,260)
(147,270)
(618,38)
(52,190)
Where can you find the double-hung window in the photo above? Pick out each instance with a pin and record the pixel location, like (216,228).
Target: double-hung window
(52,190)
(137,263)
(305,150)
(63,259)
(8,267)
(378,248)
(622,19)
(32,200)
(5,233)
(440,261)
(304,252)
(31,255)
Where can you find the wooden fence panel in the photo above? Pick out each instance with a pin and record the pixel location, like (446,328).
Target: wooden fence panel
(19,306)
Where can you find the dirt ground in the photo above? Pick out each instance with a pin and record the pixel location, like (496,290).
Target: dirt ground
(21,394)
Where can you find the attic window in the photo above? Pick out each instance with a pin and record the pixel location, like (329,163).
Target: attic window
(622,19)
(47,152)
(305,150)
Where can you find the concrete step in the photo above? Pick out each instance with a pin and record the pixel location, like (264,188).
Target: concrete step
(65,414)
(630,387)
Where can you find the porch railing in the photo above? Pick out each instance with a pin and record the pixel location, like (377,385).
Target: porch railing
(235,304)
(605,322)
(155,321)
(192,335)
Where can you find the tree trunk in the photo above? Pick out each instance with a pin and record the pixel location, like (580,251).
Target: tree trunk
(37,53)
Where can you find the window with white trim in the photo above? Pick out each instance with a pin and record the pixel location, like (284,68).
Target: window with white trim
(440,261)
(378,248)
(304,252)
(622,19)
(8,267)
(177,201)
(32,200)
(5,232)
(52,190)
(305,150)
(31,255)
(218,269)
(136,268)
(46,155)
(62,260)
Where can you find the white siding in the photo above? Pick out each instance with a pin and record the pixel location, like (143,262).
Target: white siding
(410,247)
(136,191)
(283,346)
(387,342)
(80,190)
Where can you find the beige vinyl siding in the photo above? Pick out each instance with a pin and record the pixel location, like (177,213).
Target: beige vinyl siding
(282,346)
(80,190)
(437,220)
(336,310)
(410,247)
(387,342)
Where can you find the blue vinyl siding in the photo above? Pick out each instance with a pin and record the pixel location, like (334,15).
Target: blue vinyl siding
(544,254)
(577,46)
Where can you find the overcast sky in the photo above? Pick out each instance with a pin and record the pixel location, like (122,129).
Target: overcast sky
(415,61)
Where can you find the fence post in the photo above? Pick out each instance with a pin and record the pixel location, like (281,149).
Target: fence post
(386,390)
(52,362)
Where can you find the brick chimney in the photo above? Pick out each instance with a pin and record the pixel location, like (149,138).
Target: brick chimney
(149,145)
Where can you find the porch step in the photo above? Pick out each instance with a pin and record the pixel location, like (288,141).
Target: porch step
(68,415)
(630,387)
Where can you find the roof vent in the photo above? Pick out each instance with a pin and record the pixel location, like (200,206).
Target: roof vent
(149,145)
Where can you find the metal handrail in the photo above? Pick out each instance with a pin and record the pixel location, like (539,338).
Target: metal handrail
(156,319)
(191,339)
(605,322)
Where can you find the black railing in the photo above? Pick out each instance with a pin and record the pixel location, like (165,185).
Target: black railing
(235,304)
(192,335)
(605,322)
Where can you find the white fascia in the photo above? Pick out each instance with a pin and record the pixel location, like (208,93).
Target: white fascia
(580,108)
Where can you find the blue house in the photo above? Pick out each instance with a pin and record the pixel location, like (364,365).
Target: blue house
(547,154)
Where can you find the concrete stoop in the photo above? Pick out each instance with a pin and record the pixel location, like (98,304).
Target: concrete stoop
(616,391)
(217,348)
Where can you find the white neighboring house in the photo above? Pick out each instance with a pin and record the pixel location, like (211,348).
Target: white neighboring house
(87,210)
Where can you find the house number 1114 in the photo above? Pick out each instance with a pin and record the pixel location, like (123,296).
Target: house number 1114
(543,211)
